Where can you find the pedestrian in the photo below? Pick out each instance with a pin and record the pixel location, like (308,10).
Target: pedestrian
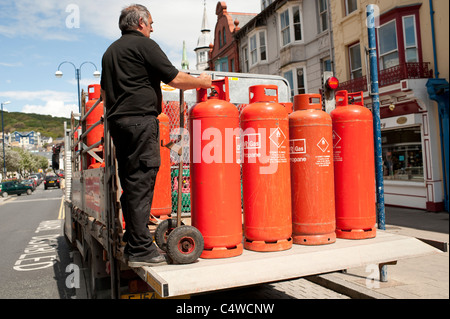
(133,68)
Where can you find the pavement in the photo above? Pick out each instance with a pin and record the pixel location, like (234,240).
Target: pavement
(424,277)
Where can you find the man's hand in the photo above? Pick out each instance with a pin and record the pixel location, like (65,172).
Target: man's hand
(206,80)
(184,81)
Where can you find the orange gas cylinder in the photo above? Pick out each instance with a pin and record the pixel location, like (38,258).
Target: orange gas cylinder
(265,172)
(215,172)
(97,133)
(312,176)
(162,200)
(354,168)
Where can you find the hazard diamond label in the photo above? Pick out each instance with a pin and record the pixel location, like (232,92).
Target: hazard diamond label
(323,144)
(336,139)
(277,137)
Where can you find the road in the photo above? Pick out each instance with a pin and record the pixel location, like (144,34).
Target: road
(34,253)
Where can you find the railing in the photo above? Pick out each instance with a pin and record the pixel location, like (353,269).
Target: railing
(410,70)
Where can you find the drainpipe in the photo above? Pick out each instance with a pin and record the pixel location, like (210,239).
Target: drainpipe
(436,70)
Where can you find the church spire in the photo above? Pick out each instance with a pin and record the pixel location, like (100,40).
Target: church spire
(185,61)
(203,42)
(205,24)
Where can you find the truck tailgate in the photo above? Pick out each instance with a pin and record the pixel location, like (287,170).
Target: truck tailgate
(255,267)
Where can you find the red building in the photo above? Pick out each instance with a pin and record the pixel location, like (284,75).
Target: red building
(224,53)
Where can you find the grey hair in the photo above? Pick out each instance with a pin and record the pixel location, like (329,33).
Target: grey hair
(129,17)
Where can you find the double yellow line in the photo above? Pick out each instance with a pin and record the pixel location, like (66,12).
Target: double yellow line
(62,211)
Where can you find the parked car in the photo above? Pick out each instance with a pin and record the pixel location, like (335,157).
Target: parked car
(36,178)
(30,182)
(14,187)
(51,181)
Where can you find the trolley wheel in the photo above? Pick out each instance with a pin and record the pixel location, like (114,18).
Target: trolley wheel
(185,245)
(162,232)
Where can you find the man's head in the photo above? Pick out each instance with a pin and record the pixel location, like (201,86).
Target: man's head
(136,17)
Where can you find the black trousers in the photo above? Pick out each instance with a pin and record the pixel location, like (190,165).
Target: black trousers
(137,143)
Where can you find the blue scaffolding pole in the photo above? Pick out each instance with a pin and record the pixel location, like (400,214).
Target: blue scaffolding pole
(370,14)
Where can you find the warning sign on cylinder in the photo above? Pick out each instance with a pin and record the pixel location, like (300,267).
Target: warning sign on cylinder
(323,144)
(336,139)
(277,137)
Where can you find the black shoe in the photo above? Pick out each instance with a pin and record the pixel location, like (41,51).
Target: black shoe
(146,261)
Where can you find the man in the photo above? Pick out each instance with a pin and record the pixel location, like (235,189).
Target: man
(132,70)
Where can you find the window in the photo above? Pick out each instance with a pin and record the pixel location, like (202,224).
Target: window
(202,57)
(323,15)
(220,40)
(262,46)
(245,59)
(402,154)
(350,6)
(296,79)
(224,36)
(290,78)
(326,64)
(409,31)
(285,32)
(221,65)
(387,42)
(354,53)
(300,82)
(258,48)
(291,31)
(297,25)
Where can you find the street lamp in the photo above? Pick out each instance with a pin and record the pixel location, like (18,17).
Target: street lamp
(3,136)
(59,75)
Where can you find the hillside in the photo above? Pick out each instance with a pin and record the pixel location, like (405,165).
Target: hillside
(47,125)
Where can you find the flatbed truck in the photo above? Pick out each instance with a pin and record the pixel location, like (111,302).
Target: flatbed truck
(93,224)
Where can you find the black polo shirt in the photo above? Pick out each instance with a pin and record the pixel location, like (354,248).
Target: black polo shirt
(132,70)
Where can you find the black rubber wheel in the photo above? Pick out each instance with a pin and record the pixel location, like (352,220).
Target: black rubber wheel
(162,232)
(185,245)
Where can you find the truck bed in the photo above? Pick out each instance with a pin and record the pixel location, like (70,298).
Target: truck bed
(251,267)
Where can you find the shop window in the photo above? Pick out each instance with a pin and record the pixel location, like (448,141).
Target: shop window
(402,155)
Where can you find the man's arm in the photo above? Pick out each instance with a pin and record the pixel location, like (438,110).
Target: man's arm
(184,81)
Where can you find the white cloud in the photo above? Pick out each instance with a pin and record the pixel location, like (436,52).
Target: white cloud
(52,107)
(48,102)
(45,95)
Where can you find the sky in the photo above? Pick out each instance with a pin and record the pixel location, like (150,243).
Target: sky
(36,36)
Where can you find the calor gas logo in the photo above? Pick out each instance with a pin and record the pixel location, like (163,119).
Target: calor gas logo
(297,146)
(252,141)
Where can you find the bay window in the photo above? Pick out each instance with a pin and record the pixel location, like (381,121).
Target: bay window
(291,25)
